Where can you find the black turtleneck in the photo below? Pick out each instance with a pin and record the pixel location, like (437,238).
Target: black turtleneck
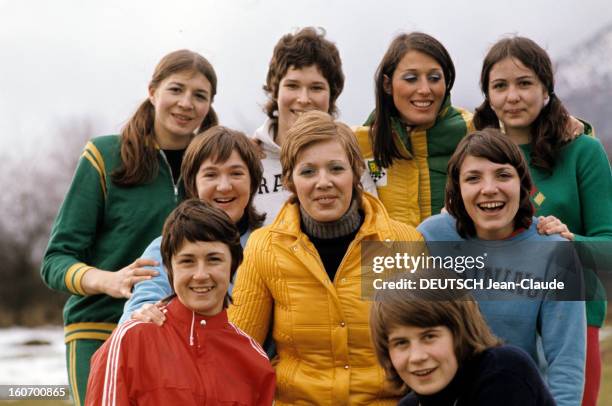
(500,376)
(332,239)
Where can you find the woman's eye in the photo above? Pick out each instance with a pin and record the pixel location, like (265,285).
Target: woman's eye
(209,175)
(410,78)
(306,172)
(291,85)
(337,169)
(237,174)
(429,337)
(525,83)
(471,179)
(435,77)
(202,97)
(499,85)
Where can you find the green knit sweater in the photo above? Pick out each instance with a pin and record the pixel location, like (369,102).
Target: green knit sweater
(579,193)
(104,226)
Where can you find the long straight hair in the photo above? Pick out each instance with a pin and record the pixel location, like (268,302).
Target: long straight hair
(383,146)
(139,157)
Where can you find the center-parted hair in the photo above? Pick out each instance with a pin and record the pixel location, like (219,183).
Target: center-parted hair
(312,128)
(218,143)
(383,146)
(193,221)
(394,308)
(496,147)
(549,128)
(139,155)
(307,47)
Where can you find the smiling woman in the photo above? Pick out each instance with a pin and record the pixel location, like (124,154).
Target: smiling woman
(441,349)
(220,167)
(103,224)
(198,357)
(488,202)
(304,269)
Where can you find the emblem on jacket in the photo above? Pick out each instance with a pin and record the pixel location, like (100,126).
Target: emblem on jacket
(378,174)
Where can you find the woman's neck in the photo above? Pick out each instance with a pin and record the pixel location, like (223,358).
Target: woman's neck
(519,136)
(345,225)
(169,141)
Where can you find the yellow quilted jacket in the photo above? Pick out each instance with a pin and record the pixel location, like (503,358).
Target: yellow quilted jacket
(325,356)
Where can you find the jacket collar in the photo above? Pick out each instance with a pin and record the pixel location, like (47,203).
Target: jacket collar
(188,322)
(375,224)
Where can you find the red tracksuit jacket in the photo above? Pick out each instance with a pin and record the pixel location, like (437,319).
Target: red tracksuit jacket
(190,360)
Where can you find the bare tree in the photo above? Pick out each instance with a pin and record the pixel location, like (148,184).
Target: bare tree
(33,187)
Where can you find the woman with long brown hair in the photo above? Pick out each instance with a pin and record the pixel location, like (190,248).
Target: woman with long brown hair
(123,189)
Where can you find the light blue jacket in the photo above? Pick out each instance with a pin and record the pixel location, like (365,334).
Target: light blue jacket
(552,332)
(158,287)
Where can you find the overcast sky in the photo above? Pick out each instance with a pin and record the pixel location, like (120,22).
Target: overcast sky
(67,59)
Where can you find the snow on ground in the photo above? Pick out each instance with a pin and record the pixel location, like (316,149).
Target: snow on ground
(40,364)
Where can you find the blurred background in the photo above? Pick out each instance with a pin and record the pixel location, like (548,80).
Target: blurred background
(71,70)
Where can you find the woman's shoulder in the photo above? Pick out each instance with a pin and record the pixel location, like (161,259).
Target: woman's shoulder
(506,357)
(440,227)
(583,144)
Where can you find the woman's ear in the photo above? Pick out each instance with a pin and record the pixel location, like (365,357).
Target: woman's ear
(546,100)
(387,85)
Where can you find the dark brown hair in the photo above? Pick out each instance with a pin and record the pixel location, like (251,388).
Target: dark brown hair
(549,127)
(194,220)
(139,156)
(385,150)
(218,143)
(307,47)
(494,146)
(312,128)
(394,308)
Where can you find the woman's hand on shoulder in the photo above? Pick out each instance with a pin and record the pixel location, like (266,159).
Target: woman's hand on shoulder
(548,225)
(118,284)
(152,313)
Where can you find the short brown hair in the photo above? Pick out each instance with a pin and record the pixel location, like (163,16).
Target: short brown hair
(194,220)
(314,127)
(218,143)
(496,147)
(307,47)
(395,308)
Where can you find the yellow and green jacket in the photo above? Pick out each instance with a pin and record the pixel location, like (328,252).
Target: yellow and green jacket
(320,326)
(104,226)
(412,189)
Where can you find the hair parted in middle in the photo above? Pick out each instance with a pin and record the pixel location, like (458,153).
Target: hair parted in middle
(194,220)
(384,149)
(306,47)
(494,146)
(218,143)
(549,128)
(314,127)
(139,155)
(394,308)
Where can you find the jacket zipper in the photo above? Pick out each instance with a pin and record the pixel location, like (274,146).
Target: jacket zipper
(175,186)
